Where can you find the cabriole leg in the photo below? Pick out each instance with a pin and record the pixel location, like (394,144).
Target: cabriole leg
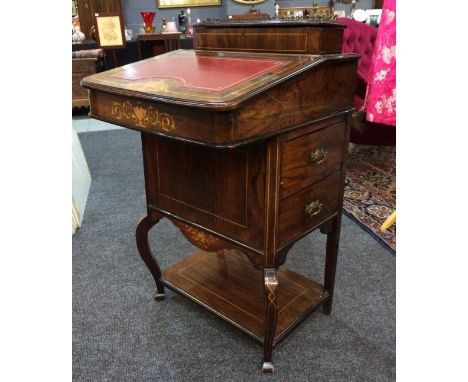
(145,224)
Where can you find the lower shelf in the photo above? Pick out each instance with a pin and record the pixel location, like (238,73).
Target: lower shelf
(227,284)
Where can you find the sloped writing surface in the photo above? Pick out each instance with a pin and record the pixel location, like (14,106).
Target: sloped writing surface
(201,78)
(214,74)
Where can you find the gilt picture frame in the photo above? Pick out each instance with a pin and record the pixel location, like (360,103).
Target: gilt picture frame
(187,3)
(110,33)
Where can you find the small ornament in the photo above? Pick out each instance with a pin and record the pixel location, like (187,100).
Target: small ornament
(148,18)
(77,34)
(182,22)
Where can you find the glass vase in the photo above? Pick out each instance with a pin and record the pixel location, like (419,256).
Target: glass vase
(148,18)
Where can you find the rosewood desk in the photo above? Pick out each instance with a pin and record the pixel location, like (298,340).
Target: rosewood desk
(245,154)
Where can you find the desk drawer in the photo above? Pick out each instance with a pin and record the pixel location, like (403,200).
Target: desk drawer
(307,208)
(255,40)
(311,157)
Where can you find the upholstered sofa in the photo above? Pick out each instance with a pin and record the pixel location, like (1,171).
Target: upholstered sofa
(360,38)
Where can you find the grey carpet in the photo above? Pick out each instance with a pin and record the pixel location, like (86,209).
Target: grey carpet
(120,333)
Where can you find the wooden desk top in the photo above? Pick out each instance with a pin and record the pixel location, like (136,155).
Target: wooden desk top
(209,80)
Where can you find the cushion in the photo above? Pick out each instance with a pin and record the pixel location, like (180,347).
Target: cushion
(88,53)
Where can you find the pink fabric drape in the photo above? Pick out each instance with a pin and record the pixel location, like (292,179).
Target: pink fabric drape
(380,103)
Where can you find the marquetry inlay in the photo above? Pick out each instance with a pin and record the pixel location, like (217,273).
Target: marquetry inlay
(271,282)
(142,115)
(200,238)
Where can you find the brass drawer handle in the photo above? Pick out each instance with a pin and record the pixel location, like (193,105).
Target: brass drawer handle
(318,156)
(313,208)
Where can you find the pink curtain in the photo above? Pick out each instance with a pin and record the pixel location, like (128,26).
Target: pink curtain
(380,103)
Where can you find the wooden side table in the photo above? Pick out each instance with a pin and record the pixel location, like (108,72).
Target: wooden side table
(153,44)
(84,63)
(245,154)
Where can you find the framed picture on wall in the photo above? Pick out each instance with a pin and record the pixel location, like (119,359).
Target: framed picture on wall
(187,3)
(110,32)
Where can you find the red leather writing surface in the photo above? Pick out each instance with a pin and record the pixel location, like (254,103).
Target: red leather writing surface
(214,74)
(218,80)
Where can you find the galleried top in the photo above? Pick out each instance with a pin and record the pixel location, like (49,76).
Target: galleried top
(283,22)
(201,78)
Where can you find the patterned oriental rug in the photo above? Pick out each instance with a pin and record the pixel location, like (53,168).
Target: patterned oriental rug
(370,192)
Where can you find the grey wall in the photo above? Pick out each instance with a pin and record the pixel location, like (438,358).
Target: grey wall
(133,20)
(361,4)
(132,8)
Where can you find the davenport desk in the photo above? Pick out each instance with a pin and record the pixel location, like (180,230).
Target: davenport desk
(245,153)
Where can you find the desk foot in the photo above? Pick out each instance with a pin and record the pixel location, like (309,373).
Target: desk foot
(268,367)
(326,309)
(159,296)
(145,224)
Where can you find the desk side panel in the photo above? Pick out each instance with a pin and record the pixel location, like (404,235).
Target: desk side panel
(221,190)
(317,93)
(331,40)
